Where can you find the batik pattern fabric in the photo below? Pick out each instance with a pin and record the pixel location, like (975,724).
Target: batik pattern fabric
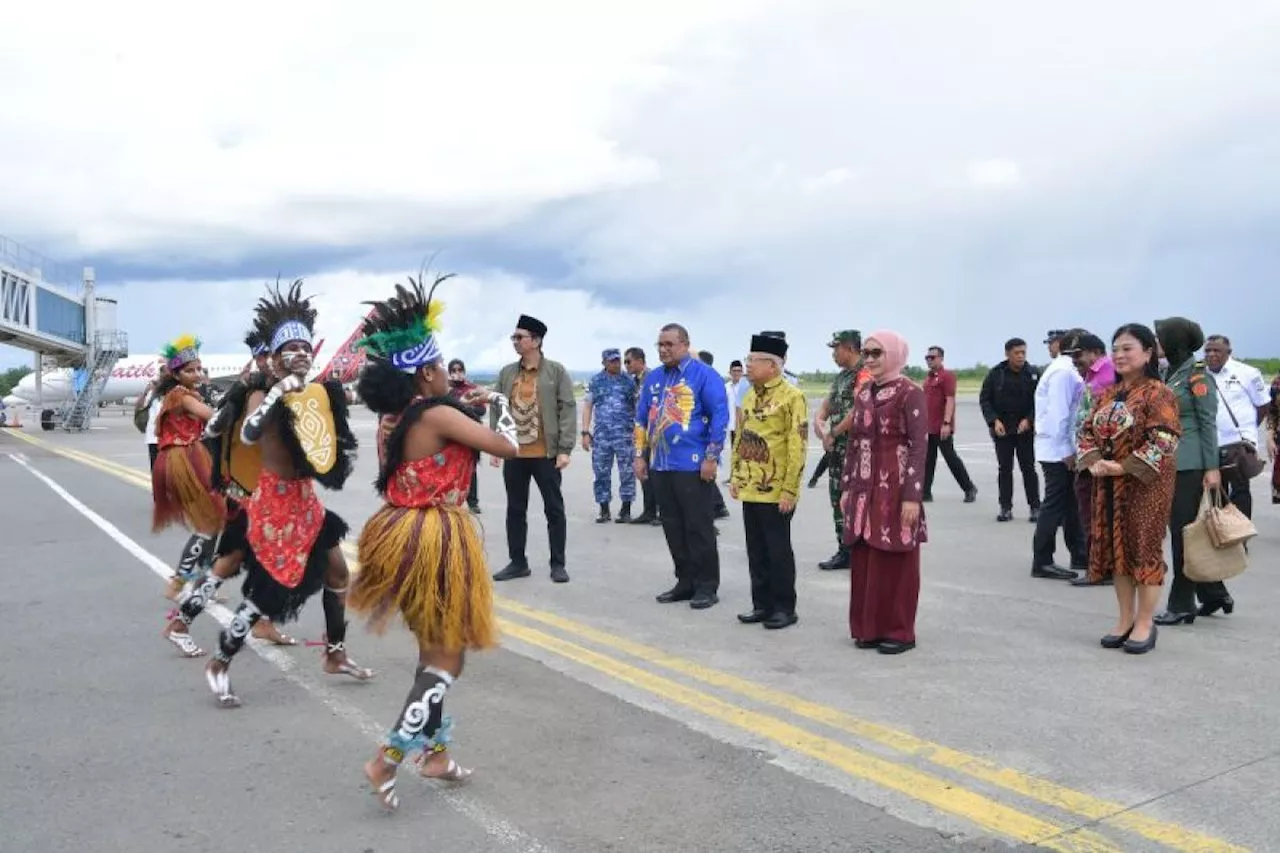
(682,416)
(1137,426)
(1273,429)
(526,410)
(182,488)
(884,466)
(771,449)
(289,535)
(422,557)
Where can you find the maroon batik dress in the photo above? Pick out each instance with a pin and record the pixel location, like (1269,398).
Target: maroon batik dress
(883,467)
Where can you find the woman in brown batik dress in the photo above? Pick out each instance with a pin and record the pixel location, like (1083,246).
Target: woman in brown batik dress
(1129,444)
(883,483)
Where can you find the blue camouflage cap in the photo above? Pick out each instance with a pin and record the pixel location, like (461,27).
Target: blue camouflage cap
(611,354)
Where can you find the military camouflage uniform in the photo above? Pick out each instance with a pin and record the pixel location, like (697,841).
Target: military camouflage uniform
(613,417)
(840,404)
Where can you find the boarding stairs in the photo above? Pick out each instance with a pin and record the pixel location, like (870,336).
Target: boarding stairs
(108,348)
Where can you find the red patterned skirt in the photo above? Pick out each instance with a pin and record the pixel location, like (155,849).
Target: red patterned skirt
(287,537)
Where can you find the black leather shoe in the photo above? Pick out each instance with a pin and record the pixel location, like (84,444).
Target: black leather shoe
(971,494)
(1168,617)
(1005,515)
(512,571)
(1052,572)
(558,573)
(1209,608)
(753,617)
(703,600)
(624,514)
(676,593)
(867,644)
(1083,580)
(604,515)
(643,518)
(1145,646)
(894,647)
(1035,515)
(1115,641)
(838,560)
(780,620)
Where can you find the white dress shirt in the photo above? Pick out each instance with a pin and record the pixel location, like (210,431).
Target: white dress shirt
(1057,396)
(1243,389)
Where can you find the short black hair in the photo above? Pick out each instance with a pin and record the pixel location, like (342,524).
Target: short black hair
(1014,343)
(706,358)
(635,353)
(939,350)
(682,334)
(458,363)
(1226,342)
(734,363)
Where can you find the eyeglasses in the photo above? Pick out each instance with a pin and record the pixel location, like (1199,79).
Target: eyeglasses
(872,353)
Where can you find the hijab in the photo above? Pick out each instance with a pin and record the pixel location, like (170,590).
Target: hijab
(1180,338)
(895,354)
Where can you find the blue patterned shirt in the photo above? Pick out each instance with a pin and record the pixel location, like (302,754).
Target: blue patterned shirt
(682,416)
(613,402)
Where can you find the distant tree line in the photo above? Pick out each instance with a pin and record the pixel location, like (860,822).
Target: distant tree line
(10,379)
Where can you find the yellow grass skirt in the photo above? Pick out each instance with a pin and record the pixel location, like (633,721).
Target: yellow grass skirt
(428,564)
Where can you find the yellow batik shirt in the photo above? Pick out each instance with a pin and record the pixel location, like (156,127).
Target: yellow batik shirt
(770,451)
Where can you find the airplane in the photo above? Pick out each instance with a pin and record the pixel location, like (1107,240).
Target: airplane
(130,377)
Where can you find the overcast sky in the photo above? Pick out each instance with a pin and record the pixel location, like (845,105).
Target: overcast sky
(960,172)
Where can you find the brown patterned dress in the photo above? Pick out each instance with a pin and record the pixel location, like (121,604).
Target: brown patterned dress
(883,468)
(1136,425)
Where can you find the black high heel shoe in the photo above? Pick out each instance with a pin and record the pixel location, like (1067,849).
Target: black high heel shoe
(1226,605)
(1145,646)
(1115,641)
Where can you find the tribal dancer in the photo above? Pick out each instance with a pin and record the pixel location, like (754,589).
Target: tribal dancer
(291,544)
(182,477)
(235,473)
(422,554)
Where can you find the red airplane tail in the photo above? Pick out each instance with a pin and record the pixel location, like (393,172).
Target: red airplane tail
(347,360)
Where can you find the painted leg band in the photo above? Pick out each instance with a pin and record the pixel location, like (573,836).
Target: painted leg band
(422,724)
(195,554)
(196,597)
(232,638)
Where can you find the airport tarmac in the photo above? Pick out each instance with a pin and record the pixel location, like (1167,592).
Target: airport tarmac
(611,722)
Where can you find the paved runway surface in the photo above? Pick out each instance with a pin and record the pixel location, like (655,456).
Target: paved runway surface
(610,722)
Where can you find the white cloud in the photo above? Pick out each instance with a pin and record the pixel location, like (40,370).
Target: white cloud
(961,172)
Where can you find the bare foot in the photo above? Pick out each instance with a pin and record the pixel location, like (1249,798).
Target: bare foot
(382,776)
(442,767)
(336,662)
(267,630)
(176,633)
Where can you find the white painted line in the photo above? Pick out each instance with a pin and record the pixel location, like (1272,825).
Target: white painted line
(469,807)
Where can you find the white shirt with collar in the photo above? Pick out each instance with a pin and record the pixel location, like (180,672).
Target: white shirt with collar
(1057,396)
(1242,388)
(153,414)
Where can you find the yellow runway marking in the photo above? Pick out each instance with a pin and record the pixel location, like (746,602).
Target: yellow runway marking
(922,786)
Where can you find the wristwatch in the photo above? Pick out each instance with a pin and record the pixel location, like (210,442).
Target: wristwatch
(586,433)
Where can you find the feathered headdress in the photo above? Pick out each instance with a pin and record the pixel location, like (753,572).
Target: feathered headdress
(284,317)
(254,342)
(402,331)
(183,350)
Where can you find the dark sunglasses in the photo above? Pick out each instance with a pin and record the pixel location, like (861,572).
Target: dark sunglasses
(930,358)
(872,353)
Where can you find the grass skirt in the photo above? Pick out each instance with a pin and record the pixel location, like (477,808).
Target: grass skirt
(278,602)
(182,490)
(428,563)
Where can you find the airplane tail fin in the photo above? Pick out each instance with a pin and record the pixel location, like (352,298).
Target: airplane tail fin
(347,360)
